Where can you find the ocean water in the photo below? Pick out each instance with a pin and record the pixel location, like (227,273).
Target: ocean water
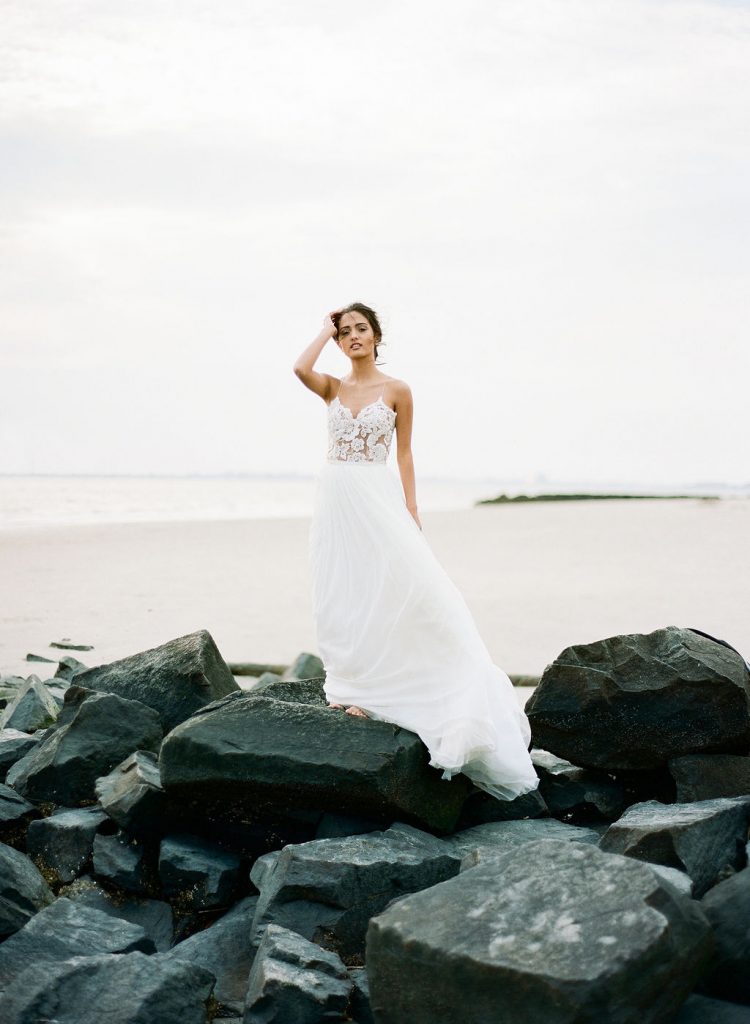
(32,501)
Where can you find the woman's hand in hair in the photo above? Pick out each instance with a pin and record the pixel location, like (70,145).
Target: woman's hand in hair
(329,324)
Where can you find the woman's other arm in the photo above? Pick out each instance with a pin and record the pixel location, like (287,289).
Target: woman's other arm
(404,406)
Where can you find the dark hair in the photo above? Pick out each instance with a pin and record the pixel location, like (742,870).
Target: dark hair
(369,314)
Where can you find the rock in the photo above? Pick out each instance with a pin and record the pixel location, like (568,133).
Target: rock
(132,795)
(66,644)
(15,812)
(176,679)
(359,1001)
(32,708)
(564,933)
(481,808)
(95,732)
(294,691)
(635,701)
(263,757)
(577,794)
(706,776)
(293,980)
(328,889)
(23,890)
(727,907)
(119,989)
(13,745)
(305,666)
(680,881)
(65,929)
(61,843)
(699,1010)
(200,873)
(706,839)
(485,843)
(224,949)
(124,861)
(67,667)
(154,916)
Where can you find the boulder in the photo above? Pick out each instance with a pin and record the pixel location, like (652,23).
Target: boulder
(65,929)
(255,755)
(13,745)
(224,949)
(577,794)
(706,776)
(328,889)
(635,701)
(95,731)
(175,679)
(153,915)
(727,907)
(15,812)
(485,843)
(61,843)
(116,989)
(199,873)
(126,862)
(33,707)
(132,795)
(564,933)
(706,839)
(293,980)
(23,890)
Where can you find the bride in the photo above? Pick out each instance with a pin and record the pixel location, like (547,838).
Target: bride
(396,637)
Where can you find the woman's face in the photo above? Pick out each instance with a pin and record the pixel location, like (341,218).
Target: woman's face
(355,336)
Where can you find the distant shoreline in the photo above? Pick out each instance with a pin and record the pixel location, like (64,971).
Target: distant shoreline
(503,499)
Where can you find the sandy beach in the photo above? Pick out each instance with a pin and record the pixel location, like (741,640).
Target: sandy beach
(537,578)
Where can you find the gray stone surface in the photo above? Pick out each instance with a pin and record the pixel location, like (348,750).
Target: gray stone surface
(65,929)
(634,701)
(62,842)
(707,776)
(129,989)
(200,873)
(259,756)
(706,839)
(487,842)
(176,679)
(132,794)
(33,707)
(224,948)
(124,861)
(154,916)
(555,931)
(14,743)
(727,907)
(293,981)
(23,890)
(328,889)
(94,732)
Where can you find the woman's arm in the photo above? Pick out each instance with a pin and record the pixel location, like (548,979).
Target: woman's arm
(404,406)
(320,383)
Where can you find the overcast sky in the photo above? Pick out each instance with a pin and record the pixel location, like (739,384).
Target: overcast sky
(547,202)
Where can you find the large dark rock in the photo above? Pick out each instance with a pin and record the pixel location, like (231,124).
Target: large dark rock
(175,679)
(61,843)
(328,889)
(33,707)
(706,839)
(558,932)
(116,989)
(224,948)
(293,981)
(199,873)
(23,890)
(255,755)
(727,907)
(65,929)
(125,862)
(13,745)
(635,701)
(154,916)
(15,814)
(95,731)
(132,795)
(705,776)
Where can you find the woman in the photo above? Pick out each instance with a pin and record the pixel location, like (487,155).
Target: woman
(396,637)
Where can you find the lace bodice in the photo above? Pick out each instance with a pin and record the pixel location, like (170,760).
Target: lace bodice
(365,437)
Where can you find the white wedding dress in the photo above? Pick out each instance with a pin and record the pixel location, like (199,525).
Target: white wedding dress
(394,633)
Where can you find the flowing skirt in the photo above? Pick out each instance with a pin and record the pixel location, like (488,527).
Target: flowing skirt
(397,638)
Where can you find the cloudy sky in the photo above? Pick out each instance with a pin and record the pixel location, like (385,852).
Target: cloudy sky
(547,202)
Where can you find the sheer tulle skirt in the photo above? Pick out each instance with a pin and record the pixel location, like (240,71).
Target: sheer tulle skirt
(396,636)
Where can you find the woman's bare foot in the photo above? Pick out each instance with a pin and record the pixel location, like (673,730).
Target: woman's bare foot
(339,707)
(357,712)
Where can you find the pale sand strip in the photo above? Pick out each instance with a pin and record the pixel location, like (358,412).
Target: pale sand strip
(536,577)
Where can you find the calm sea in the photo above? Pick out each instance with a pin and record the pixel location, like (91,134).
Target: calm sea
(58,500)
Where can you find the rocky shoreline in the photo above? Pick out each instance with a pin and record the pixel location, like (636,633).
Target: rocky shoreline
(174,847)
